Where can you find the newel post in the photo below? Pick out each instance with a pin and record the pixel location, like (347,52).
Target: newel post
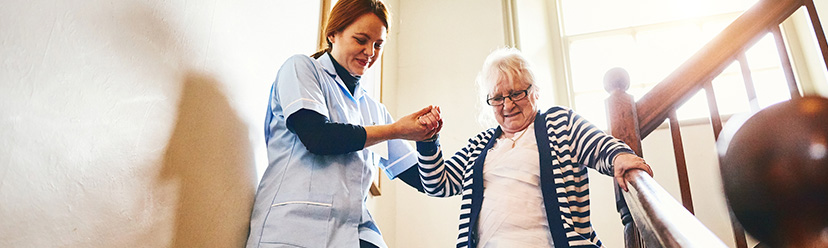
(623,124)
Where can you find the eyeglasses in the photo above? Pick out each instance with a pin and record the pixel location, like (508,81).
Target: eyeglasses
(514,96)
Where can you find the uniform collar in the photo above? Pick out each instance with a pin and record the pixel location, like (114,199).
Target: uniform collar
(329,68)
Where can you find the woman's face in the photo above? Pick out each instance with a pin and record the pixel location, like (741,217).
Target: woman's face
(360,44)
(514,116)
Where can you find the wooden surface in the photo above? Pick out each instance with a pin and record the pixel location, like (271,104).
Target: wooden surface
(786,61)
(623,125)
(820,35)
(716,122)
(777,175)
(661,219)
(621,109)
(681,163)
(747,77)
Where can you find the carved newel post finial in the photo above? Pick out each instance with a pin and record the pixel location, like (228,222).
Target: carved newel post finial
(616,79)
(623,124)
(775,173)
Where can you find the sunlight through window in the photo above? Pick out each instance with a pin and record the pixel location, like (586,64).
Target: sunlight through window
(650,39)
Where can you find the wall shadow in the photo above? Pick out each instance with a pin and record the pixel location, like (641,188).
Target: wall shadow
(211,160)
(206,179)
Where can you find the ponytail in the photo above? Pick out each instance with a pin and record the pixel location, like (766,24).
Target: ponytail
(321,52)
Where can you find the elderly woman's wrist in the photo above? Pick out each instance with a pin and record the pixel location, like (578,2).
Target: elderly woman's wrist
(429,146)
(617,153)
(432,139)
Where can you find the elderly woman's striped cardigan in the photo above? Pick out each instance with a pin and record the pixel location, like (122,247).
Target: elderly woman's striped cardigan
(567,144)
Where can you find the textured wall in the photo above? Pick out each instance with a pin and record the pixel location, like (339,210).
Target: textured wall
(137,123)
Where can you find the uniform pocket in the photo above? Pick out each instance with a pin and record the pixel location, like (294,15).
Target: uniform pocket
(299,221)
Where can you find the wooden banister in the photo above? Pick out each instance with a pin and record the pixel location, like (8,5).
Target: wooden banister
(711,60)
(662,219)
(647,211)
(658,219)
(623,125)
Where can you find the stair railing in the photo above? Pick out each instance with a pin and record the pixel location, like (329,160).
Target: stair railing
(651,217)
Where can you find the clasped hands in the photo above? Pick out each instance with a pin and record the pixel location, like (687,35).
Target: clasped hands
(420,125)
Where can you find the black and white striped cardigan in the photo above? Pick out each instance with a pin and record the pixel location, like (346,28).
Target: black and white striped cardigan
(571,145)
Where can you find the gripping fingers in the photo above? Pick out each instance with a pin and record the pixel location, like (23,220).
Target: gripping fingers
(621,182)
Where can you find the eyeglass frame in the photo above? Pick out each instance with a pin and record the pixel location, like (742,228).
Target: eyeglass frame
(510,96)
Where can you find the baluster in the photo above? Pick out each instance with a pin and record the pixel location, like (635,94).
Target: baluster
(786,62)
(820,35)
(623,124)
(681,162)
(716,122)
(713,106)
(748,79)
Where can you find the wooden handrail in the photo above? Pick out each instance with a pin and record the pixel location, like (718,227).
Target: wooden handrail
(661,218)
(711,60)
(657,216)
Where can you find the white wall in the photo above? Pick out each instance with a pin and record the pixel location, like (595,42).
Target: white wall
(440,46)
(136,123)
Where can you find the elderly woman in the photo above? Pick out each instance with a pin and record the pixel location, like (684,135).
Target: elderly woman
(524,183)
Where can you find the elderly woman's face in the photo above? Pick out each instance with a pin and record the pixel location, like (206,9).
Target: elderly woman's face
(514,115)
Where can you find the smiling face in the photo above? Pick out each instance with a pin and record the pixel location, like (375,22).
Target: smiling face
(514,116)
(360,44)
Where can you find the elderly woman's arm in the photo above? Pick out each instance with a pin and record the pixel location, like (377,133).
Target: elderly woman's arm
(438,179)
(592,147)
(441,177)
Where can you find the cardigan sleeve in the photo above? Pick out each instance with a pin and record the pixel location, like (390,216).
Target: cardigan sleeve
(444,178)
(590,146)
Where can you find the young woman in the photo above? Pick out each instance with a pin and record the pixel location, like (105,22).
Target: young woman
(319,121)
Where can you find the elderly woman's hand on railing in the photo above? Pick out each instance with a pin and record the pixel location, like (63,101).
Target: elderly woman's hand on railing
(627,161)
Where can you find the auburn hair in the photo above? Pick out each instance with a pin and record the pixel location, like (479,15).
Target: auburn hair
(346,12)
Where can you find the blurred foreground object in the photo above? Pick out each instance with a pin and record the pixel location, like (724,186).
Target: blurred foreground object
(775,173)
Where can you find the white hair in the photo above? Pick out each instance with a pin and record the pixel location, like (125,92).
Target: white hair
(502,64)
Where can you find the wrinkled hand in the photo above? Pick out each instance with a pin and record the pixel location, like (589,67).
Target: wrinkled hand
(419,125)
(432,120)
(627,161)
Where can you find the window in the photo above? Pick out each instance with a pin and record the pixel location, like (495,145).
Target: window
(650,39)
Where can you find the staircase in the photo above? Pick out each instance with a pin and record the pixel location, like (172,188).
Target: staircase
(651,216)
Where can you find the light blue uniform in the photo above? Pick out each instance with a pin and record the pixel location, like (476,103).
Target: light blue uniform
(309,200)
